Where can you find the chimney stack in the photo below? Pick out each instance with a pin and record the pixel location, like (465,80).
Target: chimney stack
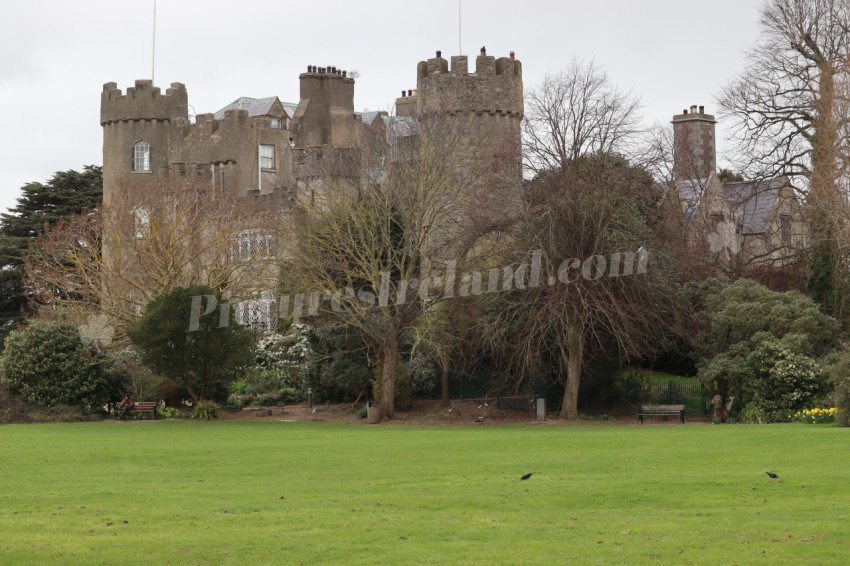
(694,151)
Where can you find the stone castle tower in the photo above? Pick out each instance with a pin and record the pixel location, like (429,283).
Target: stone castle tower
(140,120)
(246,151)
(493,93)
(694,151)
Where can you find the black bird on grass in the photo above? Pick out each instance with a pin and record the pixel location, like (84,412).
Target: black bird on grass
(772,475)
(526,476)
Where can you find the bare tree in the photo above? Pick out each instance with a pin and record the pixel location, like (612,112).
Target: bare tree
(592,226)
(380,227)
(791,110)
(576,112)
(156,235)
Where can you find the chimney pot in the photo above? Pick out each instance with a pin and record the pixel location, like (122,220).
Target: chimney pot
(344,73)
(439,54)
(513,55)
(685,111)
(402,93)
(483,51)
(410,92)
(702,109)
(693,108)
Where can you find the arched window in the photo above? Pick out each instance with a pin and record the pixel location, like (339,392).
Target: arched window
(141,156)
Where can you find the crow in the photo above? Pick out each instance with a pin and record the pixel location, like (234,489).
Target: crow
(526,476)
(772,475)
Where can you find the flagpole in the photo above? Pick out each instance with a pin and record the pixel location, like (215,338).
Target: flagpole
(153,54)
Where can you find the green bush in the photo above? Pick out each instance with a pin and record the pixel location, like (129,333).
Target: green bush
(767,349)
(839,374)
(135,378)
(206,411)
(49,366)
(171,413)
(203,361)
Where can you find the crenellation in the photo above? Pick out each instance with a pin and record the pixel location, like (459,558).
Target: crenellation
(460,65)
(485,65)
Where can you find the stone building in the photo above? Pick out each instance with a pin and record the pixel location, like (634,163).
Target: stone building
(747,228)
(261,149)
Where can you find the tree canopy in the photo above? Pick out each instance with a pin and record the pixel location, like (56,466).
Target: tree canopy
(203,361)
(39,207)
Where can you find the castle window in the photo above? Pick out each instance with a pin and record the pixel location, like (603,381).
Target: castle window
(253,243)
(275,123)
(257,314)
(267,157)
(141,156)
(141,218)
(785,229)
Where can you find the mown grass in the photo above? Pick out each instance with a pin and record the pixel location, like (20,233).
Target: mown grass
(317,493)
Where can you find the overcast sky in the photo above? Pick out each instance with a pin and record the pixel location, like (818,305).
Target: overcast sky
(55,56)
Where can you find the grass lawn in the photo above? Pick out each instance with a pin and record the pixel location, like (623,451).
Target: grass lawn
(181,492)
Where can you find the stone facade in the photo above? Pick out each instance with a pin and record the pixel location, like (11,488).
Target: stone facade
(227,149)
(747,226)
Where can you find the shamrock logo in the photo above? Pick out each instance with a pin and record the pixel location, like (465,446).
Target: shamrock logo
(96,331)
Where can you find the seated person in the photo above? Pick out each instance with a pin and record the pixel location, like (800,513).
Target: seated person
(125,406)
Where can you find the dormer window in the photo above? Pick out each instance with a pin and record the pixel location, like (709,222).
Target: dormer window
(141,156)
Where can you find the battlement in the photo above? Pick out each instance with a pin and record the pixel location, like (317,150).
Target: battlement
(143,102)
(494,88)
(485,65)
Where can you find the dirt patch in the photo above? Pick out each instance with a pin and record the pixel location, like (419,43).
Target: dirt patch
(423,413)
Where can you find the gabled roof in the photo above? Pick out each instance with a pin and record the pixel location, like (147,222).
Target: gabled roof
(690,192)
(753,202)
(254,106)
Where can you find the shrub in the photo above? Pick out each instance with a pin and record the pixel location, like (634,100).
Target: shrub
(127,369)
(765,348)
(204,362)
(49,366)
(839,375)
(753,415)
(783,383)
(206,411)
(171,413)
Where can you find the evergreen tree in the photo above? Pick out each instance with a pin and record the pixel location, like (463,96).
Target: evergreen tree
(39,207)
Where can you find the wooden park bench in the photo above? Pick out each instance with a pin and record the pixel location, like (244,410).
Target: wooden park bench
(661,411)
(138,407)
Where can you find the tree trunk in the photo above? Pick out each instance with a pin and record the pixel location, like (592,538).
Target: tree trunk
(444,383)
(388,377)
(575,352)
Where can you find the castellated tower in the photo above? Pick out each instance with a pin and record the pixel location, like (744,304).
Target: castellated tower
(137,130)
(325,113)
(694,153)
(493,93)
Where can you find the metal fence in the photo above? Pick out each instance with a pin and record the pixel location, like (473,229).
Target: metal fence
(688,392)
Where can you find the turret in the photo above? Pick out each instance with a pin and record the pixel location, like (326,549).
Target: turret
(493,93)
(136,130)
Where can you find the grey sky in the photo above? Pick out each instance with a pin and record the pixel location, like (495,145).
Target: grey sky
(56,55)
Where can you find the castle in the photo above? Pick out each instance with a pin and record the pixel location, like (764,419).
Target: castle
(261,150)
(253,147)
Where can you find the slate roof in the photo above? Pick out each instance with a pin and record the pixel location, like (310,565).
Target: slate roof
(690,192)
(752,203)
(254,106)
